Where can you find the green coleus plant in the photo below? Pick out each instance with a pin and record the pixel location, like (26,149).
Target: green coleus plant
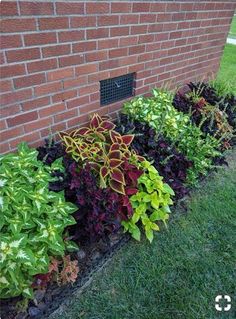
(159,112)
(104,149)
(32,221)
(151,203)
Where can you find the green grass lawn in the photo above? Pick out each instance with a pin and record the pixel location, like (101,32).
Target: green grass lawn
(227,72)
(181,273)
(232,32)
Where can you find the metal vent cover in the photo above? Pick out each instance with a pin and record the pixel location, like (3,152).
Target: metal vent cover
(116,89)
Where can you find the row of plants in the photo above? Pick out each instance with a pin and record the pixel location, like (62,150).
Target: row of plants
(104,177)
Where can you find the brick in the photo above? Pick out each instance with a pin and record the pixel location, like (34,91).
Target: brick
(12,133)
(137,49)
(26,138)
(108,43)
(146,38)
(83,22)
(10,41)
(40,38)
(116,53)
(148,18)
(110,64)
(71,60)
(70,83)
(34,8)
(53,129)
(92,107)
(69,8)
(155,28)
(84,46)
(77,102)
(139,29)
(8,8)
(88,89)
(187,6)
(4,148)
(78,120)
(13,97)
(175,35)
(94,97)
(129,19)
(158,7)
(56,50)
(5,85)
(97,33)
(47,88)
(39,124)
(128,41)
(3,125)
(9,111)
(60,74)
(17,25)
(108,20)
(30,80)
(35,103)
(136,68)
(164,17)
(69,36)
(121,7)
(22,119)
(63,96)
(118,72)
(180,42)
(96,77)
(55,23)
(128,60)
(94,7)
(191,15)
(153,46)
(118,31)
(141,7)
(22,55)
(51,110)
(42,65)
(86,69)
(173,7)
(96,56)
(12,70)
(2,58)
(65,115)
(145,57)
(180,16)
(170,26)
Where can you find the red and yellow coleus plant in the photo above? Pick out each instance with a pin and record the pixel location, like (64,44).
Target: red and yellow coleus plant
(104,149)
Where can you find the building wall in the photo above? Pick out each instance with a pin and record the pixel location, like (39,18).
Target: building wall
(54,53)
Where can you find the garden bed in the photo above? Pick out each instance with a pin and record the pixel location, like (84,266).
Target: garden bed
(101,180)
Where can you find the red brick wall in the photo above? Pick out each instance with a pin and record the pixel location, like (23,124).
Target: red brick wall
(55,52)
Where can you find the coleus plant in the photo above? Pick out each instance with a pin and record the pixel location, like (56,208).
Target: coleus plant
(209,118)
(32,221)
(170,163)
(103,148)
(100,210)
(150,203)
(159,113)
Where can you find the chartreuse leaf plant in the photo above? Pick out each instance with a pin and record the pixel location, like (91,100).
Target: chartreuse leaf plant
(32,221)
(159,112)
(150,204)
(103,148)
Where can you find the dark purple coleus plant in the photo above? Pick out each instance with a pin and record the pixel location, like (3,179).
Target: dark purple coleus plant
(170,163)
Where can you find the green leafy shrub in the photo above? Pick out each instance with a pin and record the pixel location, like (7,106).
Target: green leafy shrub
(32,221)
(160,114)
(150,203)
